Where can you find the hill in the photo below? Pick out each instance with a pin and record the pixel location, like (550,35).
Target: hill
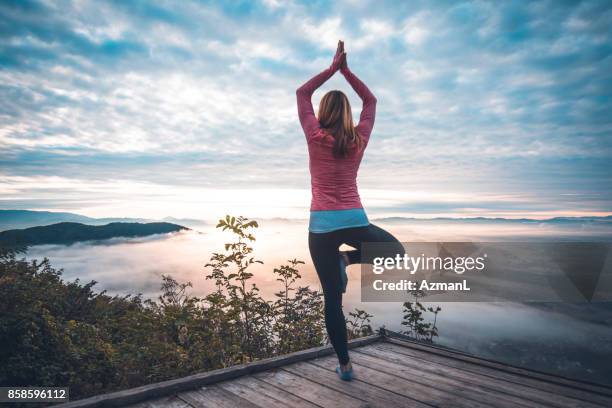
(18,219)
(606,220)
(69,232)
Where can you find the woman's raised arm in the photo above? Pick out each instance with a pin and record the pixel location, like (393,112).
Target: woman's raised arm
(304,93)
(368,111)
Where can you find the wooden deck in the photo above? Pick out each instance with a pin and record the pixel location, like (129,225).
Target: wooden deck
(390,372)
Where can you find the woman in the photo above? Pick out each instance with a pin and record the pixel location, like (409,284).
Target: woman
(337,217)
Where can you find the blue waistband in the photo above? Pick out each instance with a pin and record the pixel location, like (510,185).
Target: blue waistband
(332,220)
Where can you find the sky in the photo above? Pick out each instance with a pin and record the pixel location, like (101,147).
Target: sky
(187,109)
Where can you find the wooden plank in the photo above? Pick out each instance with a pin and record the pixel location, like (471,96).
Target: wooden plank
(375,396)
(309,390)
(492,384)
(264,394)
(509,378)
(486,370)
(457,388)
(214,397)
(139,405)
(195,381)
(390,382)
(555,379)
(167,402)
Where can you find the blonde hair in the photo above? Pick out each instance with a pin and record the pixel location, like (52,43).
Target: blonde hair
(336,117)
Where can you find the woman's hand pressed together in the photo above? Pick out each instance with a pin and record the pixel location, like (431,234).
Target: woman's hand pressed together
(340,57)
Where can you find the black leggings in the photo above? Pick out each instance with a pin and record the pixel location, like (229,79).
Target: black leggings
(325,253)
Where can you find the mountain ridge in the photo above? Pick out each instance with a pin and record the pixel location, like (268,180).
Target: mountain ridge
(20,219)
(71,232)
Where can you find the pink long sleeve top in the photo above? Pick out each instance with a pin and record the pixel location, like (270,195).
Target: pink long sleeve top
(334,180)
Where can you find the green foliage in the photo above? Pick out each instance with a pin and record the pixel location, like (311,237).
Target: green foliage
(299,321)
(48,329)
(56,333)
(359,324)
(414,318)
(262,328)
(249,312)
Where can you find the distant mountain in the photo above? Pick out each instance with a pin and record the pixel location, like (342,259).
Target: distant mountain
(10,219)
(185,221)
(555,220)
(70,232)
(558,220)
(14,219)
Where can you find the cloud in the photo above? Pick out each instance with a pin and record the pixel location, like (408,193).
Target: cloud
(203,94)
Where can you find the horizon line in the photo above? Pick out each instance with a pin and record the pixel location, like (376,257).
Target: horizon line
(381,218)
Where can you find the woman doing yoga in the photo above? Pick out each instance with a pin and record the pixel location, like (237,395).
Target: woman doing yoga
(335,148)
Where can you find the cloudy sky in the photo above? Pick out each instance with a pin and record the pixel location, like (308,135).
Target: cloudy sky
(188,108)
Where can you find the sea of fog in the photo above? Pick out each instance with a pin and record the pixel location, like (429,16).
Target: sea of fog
(573,340)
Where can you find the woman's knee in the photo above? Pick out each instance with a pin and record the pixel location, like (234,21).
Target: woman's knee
(399,249)
(392,245)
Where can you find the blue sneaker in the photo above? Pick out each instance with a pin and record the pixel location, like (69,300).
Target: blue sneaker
(343,275)
(344,375)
